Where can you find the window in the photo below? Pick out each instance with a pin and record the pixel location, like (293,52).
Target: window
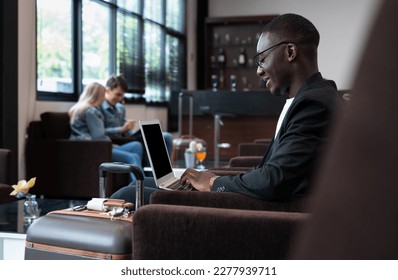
(129,52)
(173,19)
(96,47)
(80,41)
(54,46)
(153,38)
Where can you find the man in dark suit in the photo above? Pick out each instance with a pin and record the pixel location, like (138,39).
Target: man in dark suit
(287,62)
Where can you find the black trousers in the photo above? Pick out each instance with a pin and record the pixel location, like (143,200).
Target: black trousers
(128,193)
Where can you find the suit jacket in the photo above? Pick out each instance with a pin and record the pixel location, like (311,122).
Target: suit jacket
(290,159)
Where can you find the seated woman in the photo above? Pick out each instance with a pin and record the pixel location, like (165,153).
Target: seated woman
(87,123)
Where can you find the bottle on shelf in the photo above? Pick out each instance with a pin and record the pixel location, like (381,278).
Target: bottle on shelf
(214,82)
(221,80)
(221,57)
(233,82)
(213,61)
(227,38)
(244,83)
(242,59)
(216,38)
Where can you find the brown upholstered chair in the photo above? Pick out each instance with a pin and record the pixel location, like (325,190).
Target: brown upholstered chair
(255,148)
(297,203)
(249,155)
(5,176)
(208,225)
(66,168)
(354,209)
(186,232)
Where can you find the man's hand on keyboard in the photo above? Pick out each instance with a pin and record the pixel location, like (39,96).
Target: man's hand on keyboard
(200,180)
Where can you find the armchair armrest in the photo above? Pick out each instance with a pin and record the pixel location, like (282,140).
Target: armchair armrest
(225,171)
(297,203)
(123,140)
(181,232)
(245,161)
(252,148)
(263,140)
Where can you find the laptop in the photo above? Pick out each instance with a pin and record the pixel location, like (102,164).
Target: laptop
(159,157)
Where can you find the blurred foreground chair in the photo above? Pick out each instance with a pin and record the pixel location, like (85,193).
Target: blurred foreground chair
(353,210)
(354,206)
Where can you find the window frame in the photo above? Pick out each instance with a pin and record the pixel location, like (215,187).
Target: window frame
(77,55)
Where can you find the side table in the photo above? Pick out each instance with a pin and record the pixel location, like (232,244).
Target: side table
(12,246)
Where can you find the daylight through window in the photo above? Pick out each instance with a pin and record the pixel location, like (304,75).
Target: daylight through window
(80,41)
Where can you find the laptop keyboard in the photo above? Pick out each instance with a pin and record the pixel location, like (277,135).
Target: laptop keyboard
(180,187)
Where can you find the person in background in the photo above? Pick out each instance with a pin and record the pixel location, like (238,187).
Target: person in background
(114,112)
(87,123)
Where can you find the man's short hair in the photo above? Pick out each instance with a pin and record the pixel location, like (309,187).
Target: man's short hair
(294,27)
(116,81)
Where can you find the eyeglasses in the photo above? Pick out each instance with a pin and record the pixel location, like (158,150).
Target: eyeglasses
(256,58)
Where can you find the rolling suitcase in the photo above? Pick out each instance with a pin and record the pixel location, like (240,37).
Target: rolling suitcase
(181,143)
(102,229)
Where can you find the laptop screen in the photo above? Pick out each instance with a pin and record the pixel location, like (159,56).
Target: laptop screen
(156,149)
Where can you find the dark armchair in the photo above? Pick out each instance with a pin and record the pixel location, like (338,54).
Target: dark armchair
(5,176)
(66,168)
(186,232)
(250,154)
(207,225)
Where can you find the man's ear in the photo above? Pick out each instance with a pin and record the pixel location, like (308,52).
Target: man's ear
(291,52)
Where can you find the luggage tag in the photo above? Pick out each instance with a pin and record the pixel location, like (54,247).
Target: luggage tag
(97,204)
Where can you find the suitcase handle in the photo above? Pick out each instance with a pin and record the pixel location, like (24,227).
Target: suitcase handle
(121,203)
(181,96)
(120,167)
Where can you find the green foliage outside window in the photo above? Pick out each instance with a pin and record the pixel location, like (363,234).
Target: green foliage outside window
(79,41)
